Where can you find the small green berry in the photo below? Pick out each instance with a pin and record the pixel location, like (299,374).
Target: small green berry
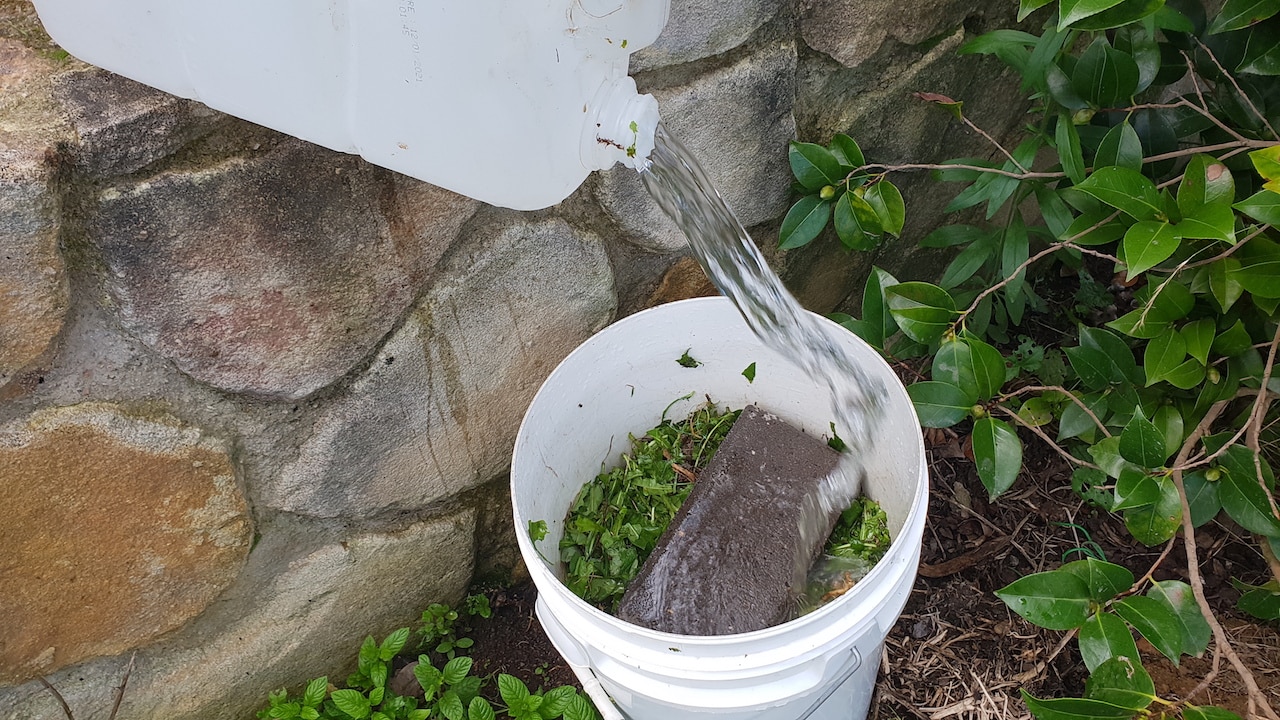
(1213,474)
(1213,375)
(827,192)
(978,412)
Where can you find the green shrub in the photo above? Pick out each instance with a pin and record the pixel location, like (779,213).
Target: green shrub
(1147,182)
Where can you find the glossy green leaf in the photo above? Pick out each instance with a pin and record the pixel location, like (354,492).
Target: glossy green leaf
(316,692)
(1187,376)
(988,367)
(1206,181)
(1155,621)
(1140,323)
(1138,41)
(1238,14)
(846,151)
(857,224)
(1105,580)
(1057,216)
(1089,230)
(1202,497)
(1075,421)
(1002,186)
(953,364)
(1069,11)
(456,669)
(939,404)
(1073,708)
(1240,460)
(1178,597)
(1092,366)
(1121,681)
(393,644)
(1209,712)
(1009,45)
(1259,271)
(1142,443)
(885,198)
(1163,355)
(1267,162)
(450,706)
(1246,502)
(1105,636)
(1120,147)
(1198,336)
(964,265)
(922,311)
(1260,602)
(1169,300)
(1059,87)
(1170,19)
(1128,11)
(1056,599)
(429,678)
(1105,76)
(1159,306)
(556,701)
(1263,206)
(580,709)
(814,166)
(512,689)
(1147,244)
(1014,252)
(981,190)
(861,328)
(378,673)
(1069,154)
(1127,190)
(1036,412)
(1209,222)
(1169,422)
(1223,283)
(1134,489)
(1154,524)
(1123,367)
(1097,366)
(1233,341)
(875,311)
(997,453)
(804,222)
(351,702)
(1106,455)
(480,709)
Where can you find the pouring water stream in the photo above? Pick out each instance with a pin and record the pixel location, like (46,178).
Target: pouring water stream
(737,268)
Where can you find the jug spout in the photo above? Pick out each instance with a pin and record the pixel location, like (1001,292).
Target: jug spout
(621,126)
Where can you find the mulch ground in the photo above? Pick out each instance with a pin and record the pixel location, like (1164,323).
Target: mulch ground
(957,651)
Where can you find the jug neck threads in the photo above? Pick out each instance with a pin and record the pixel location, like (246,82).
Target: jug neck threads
(620,126)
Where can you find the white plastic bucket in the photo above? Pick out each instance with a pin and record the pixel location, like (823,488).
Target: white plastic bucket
(619,382)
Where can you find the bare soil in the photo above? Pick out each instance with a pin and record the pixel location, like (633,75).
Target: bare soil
(957,651)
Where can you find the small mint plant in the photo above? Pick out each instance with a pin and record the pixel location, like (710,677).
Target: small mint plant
(450,692)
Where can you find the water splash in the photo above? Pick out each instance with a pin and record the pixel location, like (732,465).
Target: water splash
(734,263)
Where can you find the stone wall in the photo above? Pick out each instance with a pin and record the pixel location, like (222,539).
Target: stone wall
(257,398)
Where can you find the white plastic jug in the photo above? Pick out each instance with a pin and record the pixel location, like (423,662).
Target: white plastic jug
(512,102)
